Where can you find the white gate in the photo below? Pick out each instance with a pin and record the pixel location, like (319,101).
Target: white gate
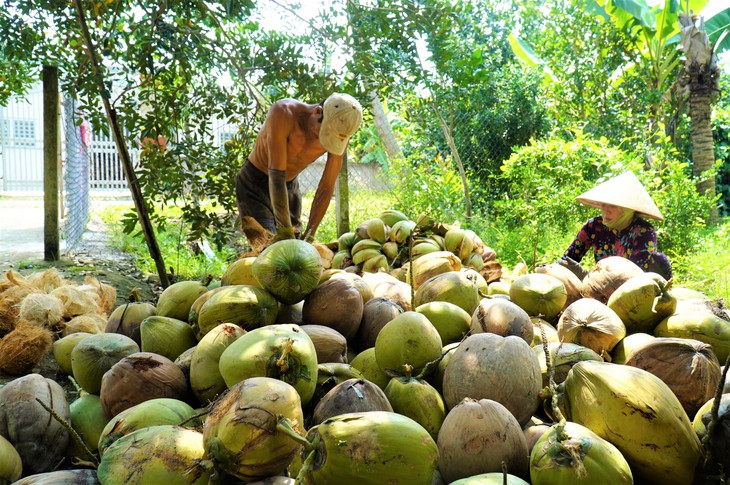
(21,143)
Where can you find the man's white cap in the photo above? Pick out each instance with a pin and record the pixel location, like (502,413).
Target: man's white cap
(341,117)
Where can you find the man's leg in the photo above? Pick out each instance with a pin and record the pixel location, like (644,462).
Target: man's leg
(252,211)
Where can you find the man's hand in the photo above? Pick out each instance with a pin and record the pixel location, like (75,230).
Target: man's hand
(283,233)
(573,266)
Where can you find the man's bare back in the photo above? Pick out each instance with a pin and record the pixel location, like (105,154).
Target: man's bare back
(297,124)
(294,135)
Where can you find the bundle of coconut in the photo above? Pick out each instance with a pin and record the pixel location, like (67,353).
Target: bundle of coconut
(42,307)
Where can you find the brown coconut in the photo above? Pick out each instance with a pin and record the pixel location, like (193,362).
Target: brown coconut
(592,324)
(502,317)
(395,291)
(573,284)
(481,436)
(687,366)
(330,345)
(10,306)
(375,314)
(23,348)
(607,275)
(489,366)
(362,286)
(39,438)
(337,304)
(351,396)
(42,309)
(140,377)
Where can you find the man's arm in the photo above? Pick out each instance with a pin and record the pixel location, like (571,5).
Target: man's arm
(280,124)
(323,195)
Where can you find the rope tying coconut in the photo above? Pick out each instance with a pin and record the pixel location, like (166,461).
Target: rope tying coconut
(572,448)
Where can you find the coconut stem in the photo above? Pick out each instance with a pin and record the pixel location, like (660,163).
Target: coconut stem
(72,431)
(305,473)
(282,363)
(283,425)
(707,439)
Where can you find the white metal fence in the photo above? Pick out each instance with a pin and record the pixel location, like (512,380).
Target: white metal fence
(21,144)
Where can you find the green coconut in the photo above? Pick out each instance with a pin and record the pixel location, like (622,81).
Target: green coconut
(642,302)
(418,400)
(407,344)
(206,380)
(704,326)
(240,272)
(367,364)
(240,433)
(539,294)
(155,412)
(175,300)
(247,306)
(703,416)
(370,448)
(282,352)
(198,304)
(563,356)
(289,269)
(454,287)
(63,347)
(638,413)
(629,344)
(88,419)
(96,354)
(451,321)
(166,336)
(572,453)
(498,288)
(492,478)
(11,466)
(538,327)
(157,454)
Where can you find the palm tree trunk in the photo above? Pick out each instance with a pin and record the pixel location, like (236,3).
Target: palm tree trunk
(701,75)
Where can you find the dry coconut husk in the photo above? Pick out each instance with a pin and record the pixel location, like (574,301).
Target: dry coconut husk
(23,348)
(16,278)
(89,323)
(42,309)
(76,301)
(47,280)
(10,306)
(107,294)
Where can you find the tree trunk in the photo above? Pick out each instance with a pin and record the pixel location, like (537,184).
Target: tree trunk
(701,75)
(392,149)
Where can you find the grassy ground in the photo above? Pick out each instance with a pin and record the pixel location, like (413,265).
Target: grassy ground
(705,269)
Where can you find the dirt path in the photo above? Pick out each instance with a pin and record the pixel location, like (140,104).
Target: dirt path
(21,249)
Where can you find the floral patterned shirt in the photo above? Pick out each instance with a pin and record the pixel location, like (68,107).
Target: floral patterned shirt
(637,242)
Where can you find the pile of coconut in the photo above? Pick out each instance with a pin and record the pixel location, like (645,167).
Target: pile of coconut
(37,309)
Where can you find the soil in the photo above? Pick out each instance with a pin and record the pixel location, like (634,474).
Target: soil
(92,256)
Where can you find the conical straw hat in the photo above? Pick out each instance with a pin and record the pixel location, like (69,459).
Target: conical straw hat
(624,190)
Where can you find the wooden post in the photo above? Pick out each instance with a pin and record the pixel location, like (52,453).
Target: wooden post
(342,198)
(50,163)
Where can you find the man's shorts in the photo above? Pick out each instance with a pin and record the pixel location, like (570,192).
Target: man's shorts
(252,196)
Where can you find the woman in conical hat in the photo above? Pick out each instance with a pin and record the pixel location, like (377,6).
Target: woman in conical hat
(622,228)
